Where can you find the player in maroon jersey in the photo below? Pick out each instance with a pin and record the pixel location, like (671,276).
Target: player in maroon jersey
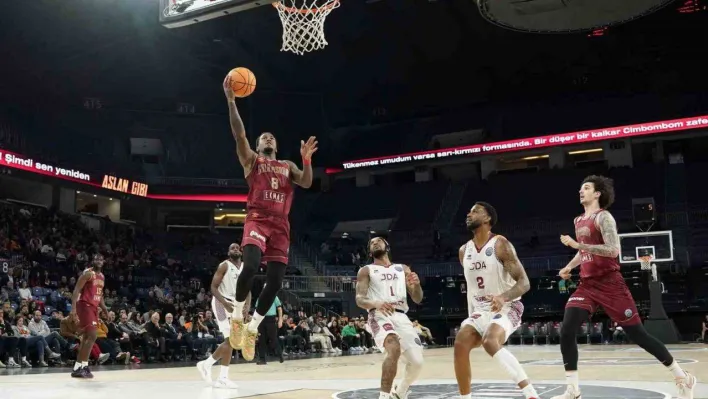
(602,284)
(266,233)
(85,302)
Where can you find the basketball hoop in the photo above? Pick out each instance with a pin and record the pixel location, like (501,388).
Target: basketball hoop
(645,261)
(303,23)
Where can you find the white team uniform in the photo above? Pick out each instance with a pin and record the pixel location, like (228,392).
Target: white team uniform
(227,289)
(388,284)
(485,277)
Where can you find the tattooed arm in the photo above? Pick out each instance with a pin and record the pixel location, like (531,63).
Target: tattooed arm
(608,227)
(507,255)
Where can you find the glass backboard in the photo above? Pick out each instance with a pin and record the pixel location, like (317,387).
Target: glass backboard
(658,244)
(177,13)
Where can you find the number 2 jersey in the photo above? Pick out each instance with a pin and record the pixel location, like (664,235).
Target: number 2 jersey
(485,275)
(270,189)
(388,284)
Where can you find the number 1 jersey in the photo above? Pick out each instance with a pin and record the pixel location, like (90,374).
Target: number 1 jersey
(388,284)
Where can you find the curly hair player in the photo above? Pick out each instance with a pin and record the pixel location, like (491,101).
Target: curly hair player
(266,233)
(496,279)
(381,289)
(602,284)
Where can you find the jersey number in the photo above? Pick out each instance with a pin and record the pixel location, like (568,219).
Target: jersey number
(274,184)
(5,267)
(392,294)
(480,283)
(99,290)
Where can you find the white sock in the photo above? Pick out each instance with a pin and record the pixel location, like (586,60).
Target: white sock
(529,392)
(77,366)
(238,310)
(84,364)
(384,395)
(468,396)
(210,361)
(571,377)
(512,366)
(676,370)
(224,372)
(255,322)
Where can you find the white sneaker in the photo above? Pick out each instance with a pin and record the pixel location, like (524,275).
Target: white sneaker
(205,371)
(11,363)
(396,395)
(685,386)
(569,393)
(225,383)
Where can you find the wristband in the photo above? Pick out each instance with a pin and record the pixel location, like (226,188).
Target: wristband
(306,162)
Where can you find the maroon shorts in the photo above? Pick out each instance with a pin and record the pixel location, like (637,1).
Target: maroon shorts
(609,291)
(88,316)
(269,233)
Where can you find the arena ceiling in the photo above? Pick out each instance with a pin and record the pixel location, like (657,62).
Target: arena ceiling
(424,54)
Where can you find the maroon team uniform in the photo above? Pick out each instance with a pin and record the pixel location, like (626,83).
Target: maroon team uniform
(90,298)
(270,195)
(601,283)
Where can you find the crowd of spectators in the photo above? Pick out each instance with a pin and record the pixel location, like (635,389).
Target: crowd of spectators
(159,307)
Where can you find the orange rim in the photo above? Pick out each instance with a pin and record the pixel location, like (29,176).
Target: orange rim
(293,10)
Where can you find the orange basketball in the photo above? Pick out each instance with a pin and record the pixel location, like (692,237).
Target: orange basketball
(243,81)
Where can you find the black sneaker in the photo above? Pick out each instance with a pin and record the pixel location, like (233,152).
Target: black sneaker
(78,373)
(86,372)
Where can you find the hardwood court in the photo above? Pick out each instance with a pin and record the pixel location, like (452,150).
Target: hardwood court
(606,372)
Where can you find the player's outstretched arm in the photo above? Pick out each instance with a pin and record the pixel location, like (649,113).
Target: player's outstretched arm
(362,290)
(303,178)
(507,255)
(246,155)
(413,285)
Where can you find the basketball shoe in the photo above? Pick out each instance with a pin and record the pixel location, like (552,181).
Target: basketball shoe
(686,385)
(225,383)
(236,336)
(248,349)
(570,393)
(204,370)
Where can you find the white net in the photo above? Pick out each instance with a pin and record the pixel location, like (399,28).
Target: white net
(645,262)
(303,23)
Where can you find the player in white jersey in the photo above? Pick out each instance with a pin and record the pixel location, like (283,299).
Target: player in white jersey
(223,289)
(496,279)
(382,288)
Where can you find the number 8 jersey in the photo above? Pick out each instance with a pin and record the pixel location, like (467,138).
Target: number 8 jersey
(270,189)
(485,275)
(388,284)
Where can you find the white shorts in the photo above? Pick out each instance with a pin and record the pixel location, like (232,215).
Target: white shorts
(223,319)
(509,319)
(399,324)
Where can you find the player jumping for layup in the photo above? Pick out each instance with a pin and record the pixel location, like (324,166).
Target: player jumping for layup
(266,233)
(223,288)
(496,279)
(602,284)
(381,289)
(87,298)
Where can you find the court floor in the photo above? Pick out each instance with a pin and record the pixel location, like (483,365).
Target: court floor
(615,372)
